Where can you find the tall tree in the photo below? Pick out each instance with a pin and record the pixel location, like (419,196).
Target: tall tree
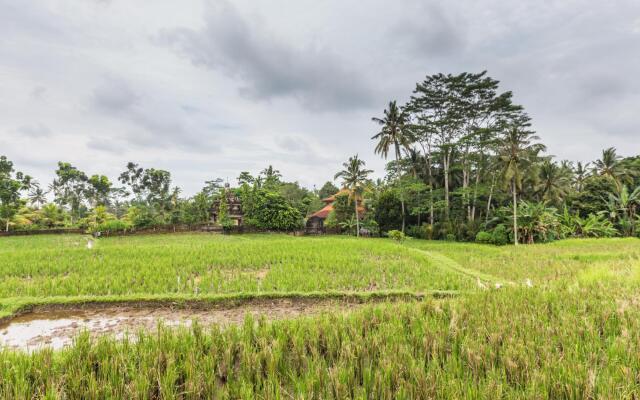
(394,135)
(328,189)
(580,174)
(69,188)
(516,152)
(609,165)
(37,195)
(554,182)
(271,177)
(12,183)
(98,190)
(354,177)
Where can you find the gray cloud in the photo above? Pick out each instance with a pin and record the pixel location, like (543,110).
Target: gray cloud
(155,124)
(260,82)
(36,130)
(267,66)
(38,93)
(114,96)
(430,32)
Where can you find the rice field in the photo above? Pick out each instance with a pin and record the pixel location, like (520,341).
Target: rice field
(573,332)
(203,264)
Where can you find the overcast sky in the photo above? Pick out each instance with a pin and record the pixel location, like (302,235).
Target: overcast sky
(207,89)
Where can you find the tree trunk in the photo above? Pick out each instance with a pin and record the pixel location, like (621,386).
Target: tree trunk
(515,213)
(431,206)
(6,229)
(493,181)
(445,165)
(401,191)
(475,190)
(427,158)
(355,201)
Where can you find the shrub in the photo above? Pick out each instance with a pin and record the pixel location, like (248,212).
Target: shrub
(424,231)
(331,221)
(450,237)
(398,236)
(499,236)
(113,226)
(484,237)
(468,231)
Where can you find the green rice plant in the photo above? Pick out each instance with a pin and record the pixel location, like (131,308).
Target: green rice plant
(513,344)
(572,333)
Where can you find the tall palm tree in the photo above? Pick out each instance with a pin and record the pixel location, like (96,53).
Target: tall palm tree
(37,195)
(554,182)
(354,177)
(609,165)
(580,174)
(394,135)
(516,152)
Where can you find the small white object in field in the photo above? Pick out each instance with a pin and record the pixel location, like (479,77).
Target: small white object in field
(480,284)
(89,244)
(498,285)
(529,283)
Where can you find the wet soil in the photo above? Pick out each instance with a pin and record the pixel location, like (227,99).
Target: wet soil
(56,326)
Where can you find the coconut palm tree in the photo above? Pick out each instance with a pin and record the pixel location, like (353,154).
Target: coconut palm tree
(354,177)
(394,135)
(516,152)
(580,174)
(609,165)
(554,182)
(37,195)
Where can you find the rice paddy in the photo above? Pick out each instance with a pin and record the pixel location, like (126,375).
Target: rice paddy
(565,324)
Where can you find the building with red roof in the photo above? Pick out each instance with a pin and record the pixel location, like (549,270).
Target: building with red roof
(315,222)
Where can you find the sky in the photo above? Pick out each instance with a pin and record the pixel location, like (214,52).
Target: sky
(207,89)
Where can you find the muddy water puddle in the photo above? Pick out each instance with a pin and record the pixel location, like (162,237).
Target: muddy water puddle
(57,328)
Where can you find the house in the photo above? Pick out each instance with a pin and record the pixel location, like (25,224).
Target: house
(234,208)
(315,222)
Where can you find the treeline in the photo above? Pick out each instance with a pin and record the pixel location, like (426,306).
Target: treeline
(464,164)
(144,198)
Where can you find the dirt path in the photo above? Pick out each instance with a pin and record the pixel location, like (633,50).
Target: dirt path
(56,328)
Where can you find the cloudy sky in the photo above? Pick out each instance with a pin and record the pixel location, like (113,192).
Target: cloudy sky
(207,89)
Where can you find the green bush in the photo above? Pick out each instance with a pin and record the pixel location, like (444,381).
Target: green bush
(484,237)
(450,237)
(424,231)
(113,226)
(398,236)
(500,236)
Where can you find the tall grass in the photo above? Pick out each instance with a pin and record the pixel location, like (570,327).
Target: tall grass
(192,264)
(512,344)
(574,335)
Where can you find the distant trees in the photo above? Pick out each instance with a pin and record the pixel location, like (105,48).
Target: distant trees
(463,162)
(69,188)
(12,184)
(327,190)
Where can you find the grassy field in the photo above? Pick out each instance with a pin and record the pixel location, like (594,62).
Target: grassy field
(574,334)
(201,265)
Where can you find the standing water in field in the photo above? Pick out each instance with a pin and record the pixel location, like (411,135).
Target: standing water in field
(57,328)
